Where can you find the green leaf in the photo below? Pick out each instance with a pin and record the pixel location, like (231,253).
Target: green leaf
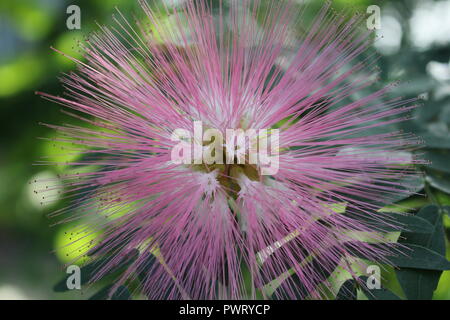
(391,222)
(351,248)
(102,294)
(322,270)
(147,268)
(347,291)
(431,111)
(435,141)
(421,284)
(418,284)
(418,257)
(408,186)
(377,294)
(438,160)
(435,240)
(121,293)
(412,224)
(405,256)
(381,294)
(415,87)
(441,182)
(404,189)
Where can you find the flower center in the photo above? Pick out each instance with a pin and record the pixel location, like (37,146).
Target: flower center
(229,174)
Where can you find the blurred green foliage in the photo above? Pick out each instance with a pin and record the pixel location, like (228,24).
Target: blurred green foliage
(28,28)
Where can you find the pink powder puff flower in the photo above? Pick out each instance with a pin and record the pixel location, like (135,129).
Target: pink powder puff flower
(226,231)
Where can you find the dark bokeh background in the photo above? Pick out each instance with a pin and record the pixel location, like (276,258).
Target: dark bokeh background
(415,48)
